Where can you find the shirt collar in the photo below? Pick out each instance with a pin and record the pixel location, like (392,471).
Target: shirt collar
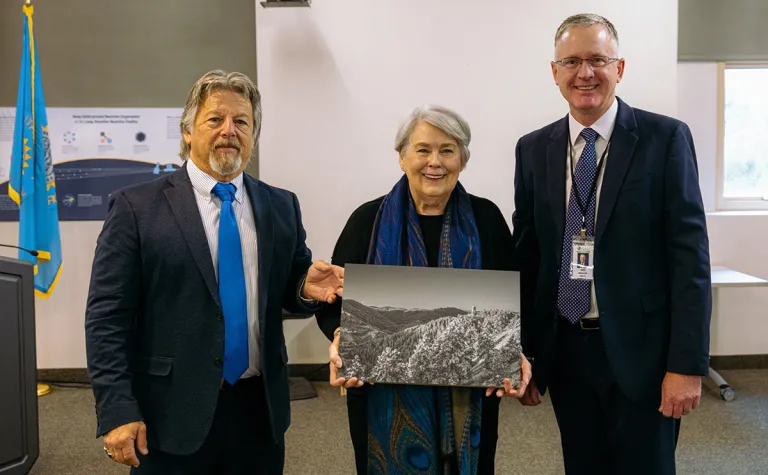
(603,126)
(203,183)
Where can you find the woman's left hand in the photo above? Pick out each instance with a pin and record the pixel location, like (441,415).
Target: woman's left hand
(508,390)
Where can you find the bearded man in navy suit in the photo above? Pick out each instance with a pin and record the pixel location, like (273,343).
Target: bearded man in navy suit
(184,336)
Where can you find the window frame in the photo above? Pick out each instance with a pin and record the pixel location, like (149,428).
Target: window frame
(732,203)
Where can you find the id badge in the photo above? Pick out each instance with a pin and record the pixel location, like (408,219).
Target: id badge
(582,257)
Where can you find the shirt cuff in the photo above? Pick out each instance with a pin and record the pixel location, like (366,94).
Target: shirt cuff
(308,302)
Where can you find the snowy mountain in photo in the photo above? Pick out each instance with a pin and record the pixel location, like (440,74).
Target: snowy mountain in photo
(441,346)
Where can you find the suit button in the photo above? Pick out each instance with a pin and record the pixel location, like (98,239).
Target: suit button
(218,362)
(220,317)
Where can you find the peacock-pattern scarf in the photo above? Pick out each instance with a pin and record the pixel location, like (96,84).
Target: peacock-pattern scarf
(423,429)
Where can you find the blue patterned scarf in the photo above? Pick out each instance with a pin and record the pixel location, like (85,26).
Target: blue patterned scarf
(423,429)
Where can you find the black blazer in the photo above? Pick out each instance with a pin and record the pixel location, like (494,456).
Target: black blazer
(652,269)
(154,326)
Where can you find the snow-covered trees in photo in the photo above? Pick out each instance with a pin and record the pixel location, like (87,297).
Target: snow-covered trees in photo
(474,348)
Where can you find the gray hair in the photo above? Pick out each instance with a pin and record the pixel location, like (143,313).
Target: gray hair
(585,20)
(448,121)
(218,80)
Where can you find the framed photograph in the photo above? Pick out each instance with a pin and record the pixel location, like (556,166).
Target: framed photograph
(430,326)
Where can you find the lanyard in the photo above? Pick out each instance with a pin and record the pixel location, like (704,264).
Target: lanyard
(592,188)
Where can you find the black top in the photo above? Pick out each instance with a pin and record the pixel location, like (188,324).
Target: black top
(496,245)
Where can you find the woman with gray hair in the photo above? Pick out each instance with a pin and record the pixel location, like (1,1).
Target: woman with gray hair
(427,220)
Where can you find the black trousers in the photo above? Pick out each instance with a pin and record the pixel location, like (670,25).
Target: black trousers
(357,411)
(237,444)
(602,431)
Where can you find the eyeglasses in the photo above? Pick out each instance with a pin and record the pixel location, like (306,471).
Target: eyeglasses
(595,62)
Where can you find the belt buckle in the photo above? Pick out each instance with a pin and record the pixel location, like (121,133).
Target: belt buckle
(581,324)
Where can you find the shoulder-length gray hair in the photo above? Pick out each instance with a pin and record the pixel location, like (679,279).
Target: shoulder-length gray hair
(218,80)
(448,121)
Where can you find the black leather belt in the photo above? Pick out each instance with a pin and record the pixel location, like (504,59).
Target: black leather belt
(586,324)
(589,323)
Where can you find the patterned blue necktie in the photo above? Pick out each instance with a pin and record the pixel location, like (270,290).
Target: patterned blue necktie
(573,296)
(232,287)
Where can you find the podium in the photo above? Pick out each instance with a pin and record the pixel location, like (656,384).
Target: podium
(19,437)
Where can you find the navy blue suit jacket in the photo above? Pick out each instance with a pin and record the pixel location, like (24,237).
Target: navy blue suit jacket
(652,271)
(154,325)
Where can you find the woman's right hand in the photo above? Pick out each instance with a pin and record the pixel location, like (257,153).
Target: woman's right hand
(335,363)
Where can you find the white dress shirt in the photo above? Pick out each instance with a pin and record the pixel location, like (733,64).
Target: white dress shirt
(604,128)
(210,211)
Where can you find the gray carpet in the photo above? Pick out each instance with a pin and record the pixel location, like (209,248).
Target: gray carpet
(719,438)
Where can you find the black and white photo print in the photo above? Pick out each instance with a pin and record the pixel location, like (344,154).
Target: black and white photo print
(430,326)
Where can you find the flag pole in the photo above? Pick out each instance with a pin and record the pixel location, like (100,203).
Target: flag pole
(42,388)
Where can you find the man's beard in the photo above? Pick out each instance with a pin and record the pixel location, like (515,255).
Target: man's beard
(225,162)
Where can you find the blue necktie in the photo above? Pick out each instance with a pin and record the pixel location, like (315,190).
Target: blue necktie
(573,296)
(232,287)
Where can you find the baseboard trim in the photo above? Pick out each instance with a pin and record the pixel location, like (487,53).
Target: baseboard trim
(739,362)
(63,375)
(320,371)
(311,372)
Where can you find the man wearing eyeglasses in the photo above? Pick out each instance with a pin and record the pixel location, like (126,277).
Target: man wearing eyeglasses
(623,341)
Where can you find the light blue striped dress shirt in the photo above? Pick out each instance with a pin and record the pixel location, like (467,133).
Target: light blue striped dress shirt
(210,211)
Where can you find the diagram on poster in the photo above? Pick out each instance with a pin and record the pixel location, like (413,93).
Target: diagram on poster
(96,152)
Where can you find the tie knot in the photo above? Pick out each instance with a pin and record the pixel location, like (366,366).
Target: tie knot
(225,191)
(589,135)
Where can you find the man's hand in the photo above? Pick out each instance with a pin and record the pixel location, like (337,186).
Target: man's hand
(120,443)
(680,394)
(508,390)
(324,282)
(335,359)
(531,396)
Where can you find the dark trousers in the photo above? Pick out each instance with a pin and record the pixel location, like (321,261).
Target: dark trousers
(602,431)
(238,443)
(357,410)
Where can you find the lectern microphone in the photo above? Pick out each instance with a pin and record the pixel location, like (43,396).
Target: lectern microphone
(32,253)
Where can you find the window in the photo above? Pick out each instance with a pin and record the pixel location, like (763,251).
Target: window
(743,141)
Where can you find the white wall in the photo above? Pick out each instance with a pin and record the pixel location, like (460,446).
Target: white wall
(737,239)
(60,319)
(338,77)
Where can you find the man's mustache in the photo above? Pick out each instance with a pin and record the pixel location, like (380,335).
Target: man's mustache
(224,143)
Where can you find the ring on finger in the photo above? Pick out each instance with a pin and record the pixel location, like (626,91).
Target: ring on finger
(108,452)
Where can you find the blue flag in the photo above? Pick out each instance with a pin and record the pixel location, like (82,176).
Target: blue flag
(32,184)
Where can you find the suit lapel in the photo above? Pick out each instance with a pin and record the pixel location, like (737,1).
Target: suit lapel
(623,142)
(181,197)
(262,215)
(556,165)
